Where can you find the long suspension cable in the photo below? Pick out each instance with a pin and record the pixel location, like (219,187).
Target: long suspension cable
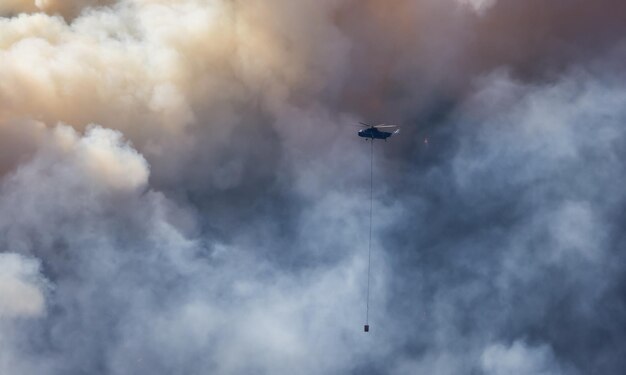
(369,252)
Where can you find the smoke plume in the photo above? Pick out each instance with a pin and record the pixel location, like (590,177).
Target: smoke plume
(182,189)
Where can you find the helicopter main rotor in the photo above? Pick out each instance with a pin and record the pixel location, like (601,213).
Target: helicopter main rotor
(379,126)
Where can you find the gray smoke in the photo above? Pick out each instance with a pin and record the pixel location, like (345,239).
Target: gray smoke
(182,190)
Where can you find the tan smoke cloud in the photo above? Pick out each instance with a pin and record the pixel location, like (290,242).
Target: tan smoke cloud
(66,8)
(19,139)
(152,68)
(17,6)
(144,67)
(159,71)
(104,158)
(53,71)
(146,59)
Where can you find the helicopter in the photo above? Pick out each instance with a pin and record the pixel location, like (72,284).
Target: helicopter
(373,132)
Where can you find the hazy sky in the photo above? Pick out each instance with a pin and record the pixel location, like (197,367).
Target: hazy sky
(182,190)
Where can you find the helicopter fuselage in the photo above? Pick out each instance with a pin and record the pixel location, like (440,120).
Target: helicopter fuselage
(374,133)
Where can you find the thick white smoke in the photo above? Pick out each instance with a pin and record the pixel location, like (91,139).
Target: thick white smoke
(112,247)
(21,287)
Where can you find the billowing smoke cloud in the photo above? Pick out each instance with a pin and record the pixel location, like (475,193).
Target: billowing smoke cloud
(181,189)
(65,8)
(20,287)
